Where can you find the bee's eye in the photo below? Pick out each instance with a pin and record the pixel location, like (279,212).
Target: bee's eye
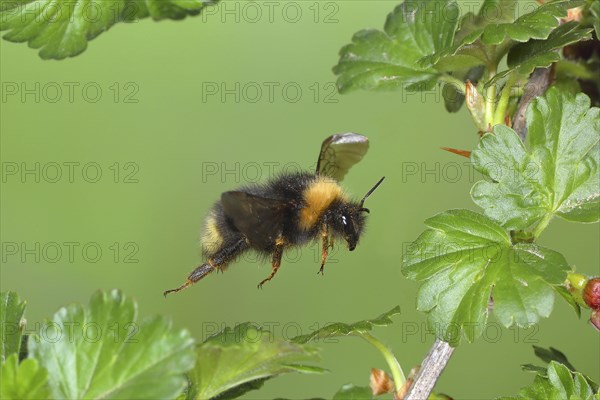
(348,225)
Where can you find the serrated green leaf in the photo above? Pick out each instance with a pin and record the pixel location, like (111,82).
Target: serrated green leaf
(558,382)
(556,175)
(552,354)
(23,381)
(523,58)
(471,24)
(11,324)
(342,329)
(388,59)
(101,351)
(466,257)
(235,359)
(351,392)
(62,28)
(484,31)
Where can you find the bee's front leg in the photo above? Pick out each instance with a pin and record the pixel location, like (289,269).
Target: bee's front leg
(276,261)
(325,247)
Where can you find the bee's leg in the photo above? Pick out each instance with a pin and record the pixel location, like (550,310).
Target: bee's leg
(276,262)
(197,274)
(217,262)
(325,248)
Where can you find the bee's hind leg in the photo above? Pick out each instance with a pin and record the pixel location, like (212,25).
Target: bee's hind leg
(217,262)
(276,262)
(197,274)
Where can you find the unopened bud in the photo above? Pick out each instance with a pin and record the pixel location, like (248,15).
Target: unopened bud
(591,293)
(380,382)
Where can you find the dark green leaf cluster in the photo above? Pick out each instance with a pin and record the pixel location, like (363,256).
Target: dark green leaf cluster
(62,28)
(241,359)
(557,380)
(96,351)
(555,173)
(424,43)
(472,265)
(102,351)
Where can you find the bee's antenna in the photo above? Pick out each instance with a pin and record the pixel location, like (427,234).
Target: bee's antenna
(371,191)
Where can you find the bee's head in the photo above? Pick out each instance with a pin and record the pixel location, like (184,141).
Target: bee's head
(347,219)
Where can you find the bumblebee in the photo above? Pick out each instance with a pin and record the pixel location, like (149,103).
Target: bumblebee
(290,210)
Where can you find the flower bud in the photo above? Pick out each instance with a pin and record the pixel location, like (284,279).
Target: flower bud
(575,284)
(591,294)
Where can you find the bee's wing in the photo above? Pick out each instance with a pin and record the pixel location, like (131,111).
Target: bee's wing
(260,219)
(340,152)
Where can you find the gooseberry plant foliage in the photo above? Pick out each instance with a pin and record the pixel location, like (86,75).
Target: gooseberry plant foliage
(473,264)
(537,150)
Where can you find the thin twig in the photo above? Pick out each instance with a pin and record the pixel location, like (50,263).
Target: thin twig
(536,86)
(430,371)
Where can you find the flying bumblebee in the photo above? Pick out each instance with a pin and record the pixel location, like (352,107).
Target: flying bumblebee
(290,210)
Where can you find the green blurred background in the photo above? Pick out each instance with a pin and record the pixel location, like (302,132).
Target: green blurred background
(176,147)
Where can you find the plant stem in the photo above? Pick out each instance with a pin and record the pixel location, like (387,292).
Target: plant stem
(457,83)
(542,225)
(536,86)
(504,99)
(490,99)
(430,370)
(397,373)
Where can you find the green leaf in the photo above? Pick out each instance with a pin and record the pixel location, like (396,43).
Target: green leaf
(23,381)
(11,323)
(557,174)
(558,382)
(241,358)
(534,368)
(464,259)
(62,28)
(491,11)
(388,59)
(242,389)
(552,354)
(351,392)
(101,351)
(525,57)
(484,31)
(342,329)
